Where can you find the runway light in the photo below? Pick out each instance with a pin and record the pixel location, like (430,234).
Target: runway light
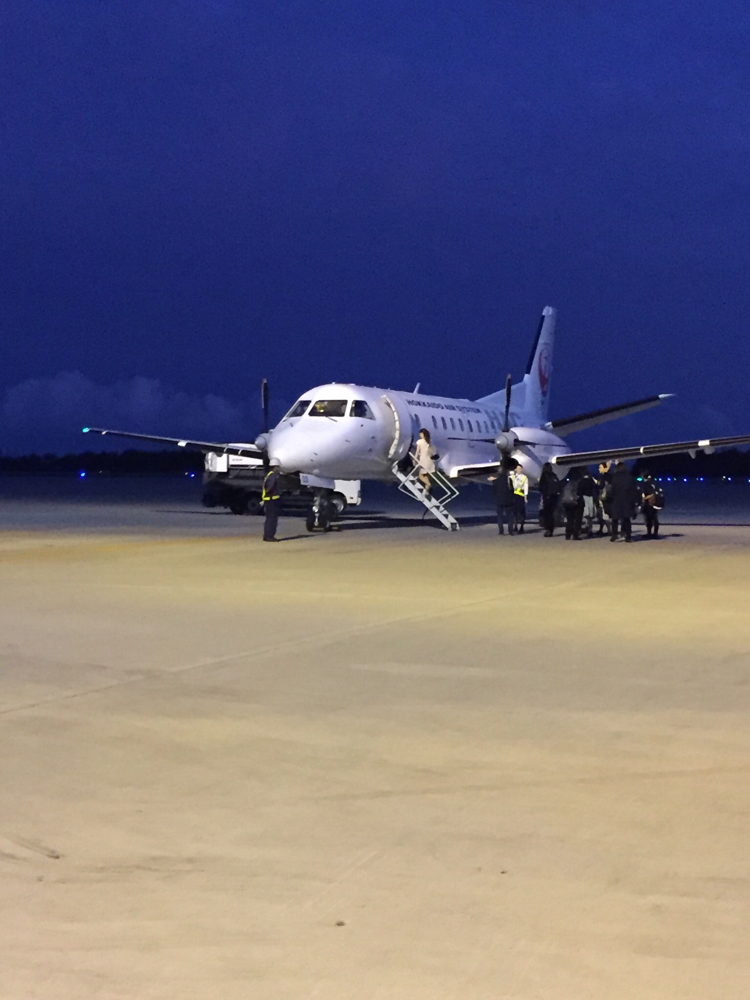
(192,475)
(85,430)
(81,474)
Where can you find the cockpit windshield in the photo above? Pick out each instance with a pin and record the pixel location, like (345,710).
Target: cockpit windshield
(361,409)
(329,408)
(298,410)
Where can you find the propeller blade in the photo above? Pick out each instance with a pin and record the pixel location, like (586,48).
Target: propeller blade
(264,403)
(508,390)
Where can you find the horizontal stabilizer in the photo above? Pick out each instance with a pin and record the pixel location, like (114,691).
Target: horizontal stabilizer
(583,421)
(649,450)
(248,450)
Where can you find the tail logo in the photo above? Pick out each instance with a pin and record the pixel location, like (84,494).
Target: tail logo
(544,368)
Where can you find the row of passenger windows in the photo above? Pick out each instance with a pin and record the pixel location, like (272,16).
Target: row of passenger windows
(331,408)
(359,408)
(482,426)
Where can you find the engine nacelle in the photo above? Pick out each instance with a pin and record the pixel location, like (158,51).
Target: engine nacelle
(506,441)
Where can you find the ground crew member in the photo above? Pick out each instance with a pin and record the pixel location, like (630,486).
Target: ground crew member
(520,483)
(270,499)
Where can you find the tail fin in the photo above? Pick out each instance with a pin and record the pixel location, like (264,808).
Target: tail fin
(530,397)
(538,375)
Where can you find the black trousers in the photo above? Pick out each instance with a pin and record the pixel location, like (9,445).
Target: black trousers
(549,505)
(626,526)
(573,520)
(651,517)
(506,515)
(271,510)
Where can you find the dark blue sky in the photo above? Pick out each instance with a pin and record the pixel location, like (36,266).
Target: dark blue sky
(198,193)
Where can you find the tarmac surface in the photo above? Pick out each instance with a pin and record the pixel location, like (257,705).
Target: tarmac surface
(388,763)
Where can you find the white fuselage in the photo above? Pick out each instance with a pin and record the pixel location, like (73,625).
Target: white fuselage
(342,431)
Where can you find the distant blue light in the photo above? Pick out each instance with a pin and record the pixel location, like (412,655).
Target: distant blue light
(700,479)
(85,430)
(192,475)
(81,474)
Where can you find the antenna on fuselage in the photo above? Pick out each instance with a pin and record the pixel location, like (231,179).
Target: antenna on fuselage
(264,403)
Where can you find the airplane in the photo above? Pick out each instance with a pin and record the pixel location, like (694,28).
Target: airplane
(347,431)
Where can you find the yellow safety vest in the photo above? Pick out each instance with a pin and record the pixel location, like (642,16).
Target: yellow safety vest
(266,496)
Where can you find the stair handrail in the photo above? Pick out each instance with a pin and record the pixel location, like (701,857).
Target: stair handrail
(436,475)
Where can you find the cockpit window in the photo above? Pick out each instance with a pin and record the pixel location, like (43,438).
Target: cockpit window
(361,409)
(298,410)
(329,408)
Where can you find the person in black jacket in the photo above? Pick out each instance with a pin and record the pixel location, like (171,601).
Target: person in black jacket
(588,492)
(572,504)
(504,497)
(603,499)
(550,487)
(624,492)
(651,503)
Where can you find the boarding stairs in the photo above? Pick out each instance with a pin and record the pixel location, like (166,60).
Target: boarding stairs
(410,484)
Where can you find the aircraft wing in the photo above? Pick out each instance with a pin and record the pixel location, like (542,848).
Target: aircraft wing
(647,450)
(568,425)
(248,450)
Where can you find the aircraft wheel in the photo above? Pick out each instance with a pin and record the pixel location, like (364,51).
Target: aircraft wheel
(238,505)
(338,502)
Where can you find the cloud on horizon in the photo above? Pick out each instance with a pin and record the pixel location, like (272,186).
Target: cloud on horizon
(46,415)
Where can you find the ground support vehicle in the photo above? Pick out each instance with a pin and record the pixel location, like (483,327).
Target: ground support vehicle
(236,482)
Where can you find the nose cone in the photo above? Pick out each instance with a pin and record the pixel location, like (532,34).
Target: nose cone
(304,448)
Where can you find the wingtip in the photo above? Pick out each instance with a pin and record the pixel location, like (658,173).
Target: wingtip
(667,395)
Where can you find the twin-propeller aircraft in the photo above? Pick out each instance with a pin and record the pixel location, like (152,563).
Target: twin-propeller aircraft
(342,431)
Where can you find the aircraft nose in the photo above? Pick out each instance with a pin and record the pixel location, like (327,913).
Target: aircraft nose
(295,452)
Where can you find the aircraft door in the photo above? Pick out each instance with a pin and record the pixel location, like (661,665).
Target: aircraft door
(399,423)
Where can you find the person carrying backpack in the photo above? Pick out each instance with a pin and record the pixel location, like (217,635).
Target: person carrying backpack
(587,491)
(625,495)
(652,501)
(572,504)
(550,487)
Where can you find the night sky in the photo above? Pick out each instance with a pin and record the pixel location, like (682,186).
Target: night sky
(199,193)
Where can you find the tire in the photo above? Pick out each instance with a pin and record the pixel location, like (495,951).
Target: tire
(338,502)
(238,505)
(208,499)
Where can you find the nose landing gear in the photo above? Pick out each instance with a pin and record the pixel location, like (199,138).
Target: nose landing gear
(322,512)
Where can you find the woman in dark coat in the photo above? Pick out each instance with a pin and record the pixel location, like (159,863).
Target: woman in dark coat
(624,497)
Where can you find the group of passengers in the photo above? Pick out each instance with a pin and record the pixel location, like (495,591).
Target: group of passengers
(586,504)
(608,501)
